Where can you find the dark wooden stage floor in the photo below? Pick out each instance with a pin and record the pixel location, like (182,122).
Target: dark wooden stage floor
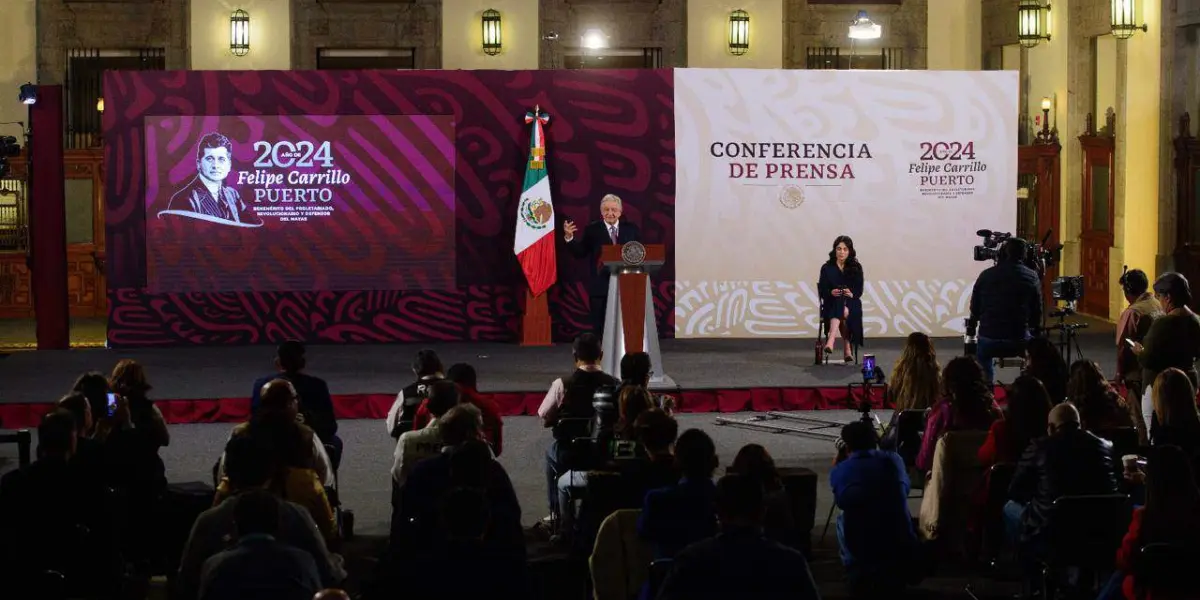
(224,372)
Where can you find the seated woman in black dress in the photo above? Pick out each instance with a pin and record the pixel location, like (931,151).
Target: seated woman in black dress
(841,288)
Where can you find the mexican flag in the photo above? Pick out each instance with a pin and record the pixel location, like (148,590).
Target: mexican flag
(534,244)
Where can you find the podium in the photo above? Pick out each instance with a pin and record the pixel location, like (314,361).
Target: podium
(629,319)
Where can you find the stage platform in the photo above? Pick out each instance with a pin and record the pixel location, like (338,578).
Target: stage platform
(212,384)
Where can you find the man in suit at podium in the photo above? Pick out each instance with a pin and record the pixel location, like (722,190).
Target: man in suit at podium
(610,230)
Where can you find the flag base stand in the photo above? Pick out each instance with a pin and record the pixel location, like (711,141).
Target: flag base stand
(535,320)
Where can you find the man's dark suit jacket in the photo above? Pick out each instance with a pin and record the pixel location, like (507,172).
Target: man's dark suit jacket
(739,563)
(196,198)
(315,401)
(587,244)
(260,567)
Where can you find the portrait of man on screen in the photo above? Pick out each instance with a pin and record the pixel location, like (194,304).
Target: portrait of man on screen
(206,196)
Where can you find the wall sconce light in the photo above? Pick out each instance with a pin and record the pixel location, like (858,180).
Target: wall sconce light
(492,43)
(1032,22)
(28,94)
(100,104)
(594,39)
(239,33)
(739,32)
(863,28)
(1045,135)
(1124,19)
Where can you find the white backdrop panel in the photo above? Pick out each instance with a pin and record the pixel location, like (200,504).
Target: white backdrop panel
(773,165)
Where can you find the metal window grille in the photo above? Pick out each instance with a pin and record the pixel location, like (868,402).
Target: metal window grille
(84,87)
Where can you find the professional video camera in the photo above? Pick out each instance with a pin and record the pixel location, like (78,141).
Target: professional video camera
(1037,256)
(1067,289)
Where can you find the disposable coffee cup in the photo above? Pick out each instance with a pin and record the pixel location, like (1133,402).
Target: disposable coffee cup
(1130,462)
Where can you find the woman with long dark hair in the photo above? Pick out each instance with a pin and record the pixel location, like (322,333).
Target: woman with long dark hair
(967,404)
(1043,360)
(1100,406)
(841,287)
(1025,416)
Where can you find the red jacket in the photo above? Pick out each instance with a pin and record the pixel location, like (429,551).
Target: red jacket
(493,426)
(1130,546)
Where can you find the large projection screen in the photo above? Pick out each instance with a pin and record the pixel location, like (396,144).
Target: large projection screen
(773,165)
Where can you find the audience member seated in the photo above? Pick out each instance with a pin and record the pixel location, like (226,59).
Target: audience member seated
(94,386)
(134,434)
(248,469)
(1100,406)
(1045,362)
(633,401)
(132,438)
(682,514)
(88,459)
(966,404)
(464,461)
(259,565)
(464,376)
(779,523)
(1026,411)
(52,519)
(428,369)
(297,456)
(654,466)
(1171,515)
(413,446)
(917,377)
(464,566)
(315,402)
(740,562)
(636,369)
(1176,419)
(1067,462)
(570,397)
(875,529)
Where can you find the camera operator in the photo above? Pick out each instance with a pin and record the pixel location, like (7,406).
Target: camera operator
(1007,299)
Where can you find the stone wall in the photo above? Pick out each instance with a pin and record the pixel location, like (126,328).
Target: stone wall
(1181,94)
(825,26)
(345,24)
(109,26)
(629,24)
(999,30)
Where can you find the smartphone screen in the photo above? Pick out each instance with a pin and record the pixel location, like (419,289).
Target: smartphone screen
(112,404)
(869,363)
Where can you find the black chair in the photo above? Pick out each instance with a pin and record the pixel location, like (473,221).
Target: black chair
(573,451)
(658,574)
(1164,570)
(24,441)
(993,537)
(343,518)
(1083,532)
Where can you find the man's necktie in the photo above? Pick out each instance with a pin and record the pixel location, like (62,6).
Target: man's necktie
(612,233)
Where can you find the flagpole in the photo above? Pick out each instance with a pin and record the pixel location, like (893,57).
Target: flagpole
(535,313)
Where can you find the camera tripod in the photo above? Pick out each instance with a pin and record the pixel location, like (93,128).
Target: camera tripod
(1066,332)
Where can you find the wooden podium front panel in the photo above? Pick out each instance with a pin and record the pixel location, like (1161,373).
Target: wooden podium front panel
(632,293)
